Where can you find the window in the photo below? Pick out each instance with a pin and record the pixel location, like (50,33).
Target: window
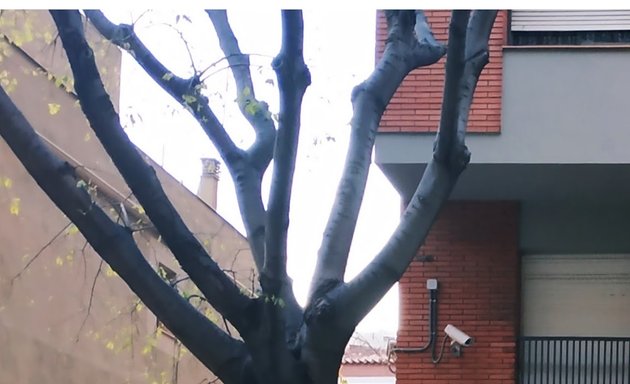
(584,27)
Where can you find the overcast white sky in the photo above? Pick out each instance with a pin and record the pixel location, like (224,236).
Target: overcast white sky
(339,49)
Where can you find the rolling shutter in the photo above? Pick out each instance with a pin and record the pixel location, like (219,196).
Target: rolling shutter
(576,295)
(548,20)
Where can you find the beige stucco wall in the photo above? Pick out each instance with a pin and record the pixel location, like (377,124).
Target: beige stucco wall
(42,310)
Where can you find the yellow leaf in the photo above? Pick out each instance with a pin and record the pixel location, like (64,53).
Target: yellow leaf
(140,209)
(110,272)
(48,38)
(109,345)
(53,108)
(8,183)
(72,230)
(146,350)
(87,137)
(59,261)
(28,34)
(14,208)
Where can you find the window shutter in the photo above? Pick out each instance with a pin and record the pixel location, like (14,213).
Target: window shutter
(548,20)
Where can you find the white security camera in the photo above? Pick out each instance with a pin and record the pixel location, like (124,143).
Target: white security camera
(458,336)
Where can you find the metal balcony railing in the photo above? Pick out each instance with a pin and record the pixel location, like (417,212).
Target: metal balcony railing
(574,360)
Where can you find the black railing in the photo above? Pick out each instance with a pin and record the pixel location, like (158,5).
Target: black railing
(574,360)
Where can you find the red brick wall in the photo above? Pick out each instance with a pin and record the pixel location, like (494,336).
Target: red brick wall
(416,105)
(476,263)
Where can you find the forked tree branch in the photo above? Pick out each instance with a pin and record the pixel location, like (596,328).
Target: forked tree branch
(218,288)
(255,111)
(361,294)
(227,357)
(187,92)
(410,45)
(244,167)
(248,177)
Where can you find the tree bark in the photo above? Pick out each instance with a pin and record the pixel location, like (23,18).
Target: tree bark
(467,55)
(410,45)
(217,287)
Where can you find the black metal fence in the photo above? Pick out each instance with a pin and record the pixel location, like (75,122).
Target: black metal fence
(574,360)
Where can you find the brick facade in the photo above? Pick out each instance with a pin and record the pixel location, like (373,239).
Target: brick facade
(474,245)
(416,105)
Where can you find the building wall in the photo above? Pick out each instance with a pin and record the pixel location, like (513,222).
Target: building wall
(476,263)
(417,104)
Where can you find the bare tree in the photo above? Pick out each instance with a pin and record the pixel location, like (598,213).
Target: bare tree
(281,342)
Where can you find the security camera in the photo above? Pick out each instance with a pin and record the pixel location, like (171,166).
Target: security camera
(458,336)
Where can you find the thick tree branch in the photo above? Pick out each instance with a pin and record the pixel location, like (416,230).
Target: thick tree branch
(410,44)
(455,67)
(186,91)
(293,79)
(141,178)
(282,316)
(245,169)
(362,293)
(468,51)
(248,178)
(256,112)
(477,55)
(226,357)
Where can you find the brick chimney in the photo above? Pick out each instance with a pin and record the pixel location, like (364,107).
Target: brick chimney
(209,181)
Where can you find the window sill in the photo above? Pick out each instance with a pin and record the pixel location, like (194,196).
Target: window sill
(585,46)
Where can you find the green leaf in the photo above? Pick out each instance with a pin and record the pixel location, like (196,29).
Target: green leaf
(189,99)
(252,108)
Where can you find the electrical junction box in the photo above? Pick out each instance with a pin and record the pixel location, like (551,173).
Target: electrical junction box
(432,284)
